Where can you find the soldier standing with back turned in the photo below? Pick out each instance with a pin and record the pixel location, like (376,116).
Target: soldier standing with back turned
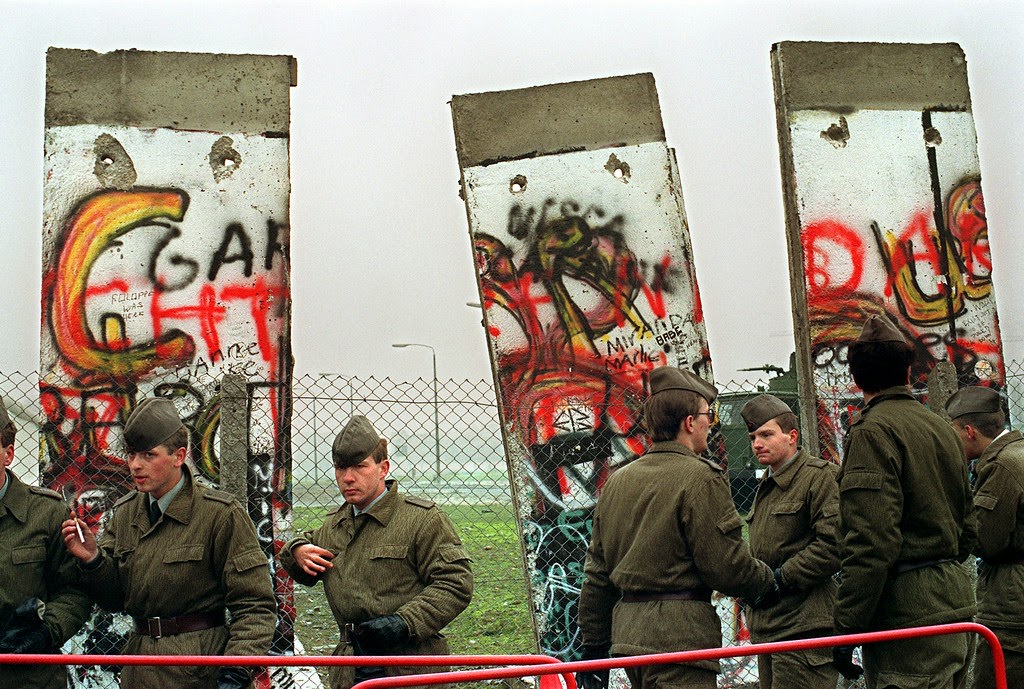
(907,522)
(978,417)
(794,528)
(666,533)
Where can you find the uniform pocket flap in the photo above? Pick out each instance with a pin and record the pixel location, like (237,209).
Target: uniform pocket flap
(389,552)
(452,553)
(865,480)
(730,523)
(787,508)
(986,501)
(184,553)
(28,553)
(249,560)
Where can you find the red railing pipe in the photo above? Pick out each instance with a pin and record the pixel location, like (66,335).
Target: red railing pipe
(702,654)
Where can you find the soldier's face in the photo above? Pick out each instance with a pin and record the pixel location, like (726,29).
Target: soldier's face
(771,446)
(361,483)
(156,471)
(7,454)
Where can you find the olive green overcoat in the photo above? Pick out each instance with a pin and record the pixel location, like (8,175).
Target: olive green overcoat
(402,557)
(665,523)
(37,565)
(203,555)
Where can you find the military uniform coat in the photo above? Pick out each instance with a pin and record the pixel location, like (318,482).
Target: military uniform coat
(794,527)
(999,499)
(37,565)
(402,557)
(201,556)
(665,523)
(905,497)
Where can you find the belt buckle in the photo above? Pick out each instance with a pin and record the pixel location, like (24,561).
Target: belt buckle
(347,630)
(156,629)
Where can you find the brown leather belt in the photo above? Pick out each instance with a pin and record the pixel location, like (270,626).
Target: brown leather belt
(686,594)
(157,627)
(910,566)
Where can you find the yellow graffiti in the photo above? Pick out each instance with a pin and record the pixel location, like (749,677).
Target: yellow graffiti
(95,225)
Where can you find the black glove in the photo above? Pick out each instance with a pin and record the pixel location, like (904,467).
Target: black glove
(772,595)
(593,679)
(366,672)
(24,631)
(842,658)
(233,678)
(381,635)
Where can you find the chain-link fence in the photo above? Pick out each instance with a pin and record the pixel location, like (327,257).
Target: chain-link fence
(446,444)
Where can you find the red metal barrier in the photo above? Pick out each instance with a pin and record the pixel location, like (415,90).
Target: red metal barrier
(703,654)
(294,661)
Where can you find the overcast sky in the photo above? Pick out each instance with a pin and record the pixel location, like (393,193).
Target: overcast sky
(380,245)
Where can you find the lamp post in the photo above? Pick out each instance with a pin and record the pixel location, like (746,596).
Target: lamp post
(437,425)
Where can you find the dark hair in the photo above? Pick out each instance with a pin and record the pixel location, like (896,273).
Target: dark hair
(178,440)
(876,366)
(7,434)
(787,422)
(664,412)
(380,452)
(988,423)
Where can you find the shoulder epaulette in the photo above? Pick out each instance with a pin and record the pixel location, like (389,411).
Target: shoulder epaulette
(713,464)
(126,497)
(817,462)
(419,502)
(46,492)
(218,496)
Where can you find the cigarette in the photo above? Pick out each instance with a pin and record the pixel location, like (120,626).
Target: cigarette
(78,528)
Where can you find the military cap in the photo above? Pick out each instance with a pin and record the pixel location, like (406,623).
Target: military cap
(152,422)
(355,442)
(973,399)
(4,418)
(880,329)
(670,378)
(762,409)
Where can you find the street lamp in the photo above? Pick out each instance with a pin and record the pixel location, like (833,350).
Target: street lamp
(437,426)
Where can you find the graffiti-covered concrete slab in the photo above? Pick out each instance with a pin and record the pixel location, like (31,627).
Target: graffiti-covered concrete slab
(165,268)
(586,276)
(884,210)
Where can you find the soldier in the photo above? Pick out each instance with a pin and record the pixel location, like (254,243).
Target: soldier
(666,533)
(793,527)
(978,417)
(174,555)
(907,522)
(39,607)
(393,568)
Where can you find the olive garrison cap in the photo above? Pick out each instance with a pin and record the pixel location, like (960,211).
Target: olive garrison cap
(880,329)
(355,442)
(4,418)
(973,399)
(762,409)
(151,423)
(670,378)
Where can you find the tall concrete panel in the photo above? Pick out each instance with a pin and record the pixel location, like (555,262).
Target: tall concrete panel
(884,212)
(165,268)
(586,277)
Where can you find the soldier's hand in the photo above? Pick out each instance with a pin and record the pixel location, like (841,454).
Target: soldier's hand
(593,679)
(24,631)
(313,559)
(842,659)
(771,596)
(79,540)
(233,678)
(382,634)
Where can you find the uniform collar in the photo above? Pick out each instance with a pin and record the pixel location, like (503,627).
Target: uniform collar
(995,447)
(895,392)
(785,475)
(181,506)
(672,446)
(15,502)
(382,510)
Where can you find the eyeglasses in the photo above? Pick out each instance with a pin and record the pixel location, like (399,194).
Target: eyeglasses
(710,413)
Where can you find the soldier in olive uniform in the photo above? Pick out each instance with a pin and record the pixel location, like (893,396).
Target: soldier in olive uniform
(907,522)
(665,534)
(39,607)
(978,417)
(174,555)
(393,568)
(794,528)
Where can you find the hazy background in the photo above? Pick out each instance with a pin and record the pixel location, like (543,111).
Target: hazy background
(379,241)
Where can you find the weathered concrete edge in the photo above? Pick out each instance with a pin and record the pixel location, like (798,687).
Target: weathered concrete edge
(187,91)
(555,118)
(843,77)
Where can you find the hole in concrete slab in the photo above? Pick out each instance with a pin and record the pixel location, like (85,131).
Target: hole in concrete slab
(113,166)
(618,168)
(107,161)
(224,159)
(517,185)
(932,138)
(837,134)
